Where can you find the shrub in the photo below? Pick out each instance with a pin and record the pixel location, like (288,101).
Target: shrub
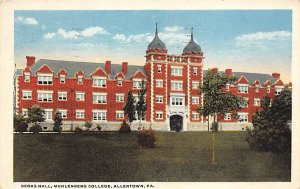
(21,127)
(146,138)
(88,124)
(78,129)
(57,122)
(35,129)
(125,128)
(99,127)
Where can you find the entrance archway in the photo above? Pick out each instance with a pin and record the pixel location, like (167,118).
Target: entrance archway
(176,123)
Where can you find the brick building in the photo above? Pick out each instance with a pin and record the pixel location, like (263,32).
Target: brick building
(84,91)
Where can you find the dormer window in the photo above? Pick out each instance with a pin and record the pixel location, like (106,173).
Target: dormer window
(45,79)
(99,82)
(242,88)
(268,89)
(278,90)
(80,79)
(257,88)
(119,81)
(27,77)
(62,79)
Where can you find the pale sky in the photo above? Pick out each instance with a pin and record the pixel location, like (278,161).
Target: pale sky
(247,40)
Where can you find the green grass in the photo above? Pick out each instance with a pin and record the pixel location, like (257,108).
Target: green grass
(110,156)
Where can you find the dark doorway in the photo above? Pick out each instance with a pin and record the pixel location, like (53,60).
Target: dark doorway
(176,122)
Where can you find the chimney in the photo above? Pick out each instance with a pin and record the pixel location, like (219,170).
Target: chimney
(30,60)
(228,71)
(125,68)
(108,66)
(214,70)
(276,75)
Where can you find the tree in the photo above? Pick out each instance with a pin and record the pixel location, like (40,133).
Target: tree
(216,101)
(57,122)
(129,108)
(271,131)
(19,123)
(141,104)
(35,115)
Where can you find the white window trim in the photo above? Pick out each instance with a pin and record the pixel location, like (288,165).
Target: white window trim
(62,76)
(27,91)
(79,111)
(227,116)
(177,81)
(99,78)
(80,93)
(62,93)
(243,85)
(48,110)
(139,82)
(26,74)
(120,94)
(120,112)
(194,82)
(160,81)
(177,97)
(119,79)
(159,96)
(243,113)
(99,94)
(195,97)
(160,113)
(63,110)
(256,99)
(159,68)
(195,113)
(179,68)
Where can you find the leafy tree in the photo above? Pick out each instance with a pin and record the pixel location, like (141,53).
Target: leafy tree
(129,108)
(141,104)
(271,131)
(57,122)
(35,115)
(216,101)
(18,119)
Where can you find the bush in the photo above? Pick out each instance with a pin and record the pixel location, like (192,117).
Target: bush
(78,129)
(146,138)
(125,128)
(21,127)
(35,129)
(99,127)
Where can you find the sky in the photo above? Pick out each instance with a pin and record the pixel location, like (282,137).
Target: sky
(245,40)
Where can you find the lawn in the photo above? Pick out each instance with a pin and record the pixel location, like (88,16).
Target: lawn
(110,156)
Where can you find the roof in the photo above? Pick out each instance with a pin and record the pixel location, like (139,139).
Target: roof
(156,43)
(192,46)
(88,68)
(251,77)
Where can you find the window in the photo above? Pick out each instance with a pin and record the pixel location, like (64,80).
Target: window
(119,81)
(195,115)
(256,102)
(227,86)
(159,68)
(159,115)
(63,113)
(195,84)
(45,80)
(27,95)
(48,114)
(99,82)
(195,100)
(242,88)
(45,96)
(99,98)
(62,79)
(99,115)
(80,96)
(62,95)
(159,99)
(227,116)
(120,97)
(278,90)
(79,114)
(119,114)
(257,88)
(27,77)
(177,101)
(176,71)
(195,71)
(176,85)
(243,117)
(25,112)
(159,83)
(80,79)
(137,83)
(247,102)
(268,89)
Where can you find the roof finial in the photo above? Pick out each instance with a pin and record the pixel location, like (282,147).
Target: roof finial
(192,37)
(156,28)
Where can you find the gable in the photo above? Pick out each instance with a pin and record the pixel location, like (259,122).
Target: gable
(256,82)
(243,80)
(120,74)
(44,69)
(79,73)
(99,72)
(138,74)
(279,82)
(62,72)
(268,83)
